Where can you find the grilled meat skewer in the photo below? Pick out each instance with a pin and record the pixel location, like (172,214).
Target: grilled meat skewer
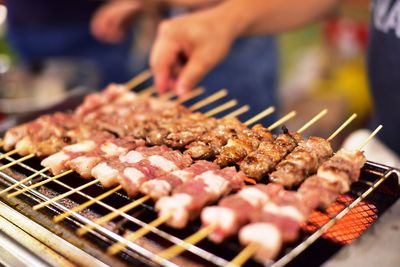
(279,225)
(208,145)
(163,186)
(188,199)
(261,162)
(87,153)
(334,176)
(242,144)
(228,217)
(138,166)
(303,161)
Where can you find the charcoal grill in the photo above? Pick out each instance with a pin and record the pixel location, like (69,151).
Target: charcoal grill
(325,233)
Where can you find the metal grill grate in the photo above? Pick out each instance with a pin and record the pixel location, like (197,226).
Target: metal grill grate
(341,223)
(350,227)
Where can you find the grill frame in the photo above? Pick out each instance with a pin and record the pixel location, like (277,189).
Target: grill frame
(141,254)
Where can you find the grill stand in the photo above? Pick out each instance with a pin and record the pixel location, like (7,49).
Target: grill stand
(30,243)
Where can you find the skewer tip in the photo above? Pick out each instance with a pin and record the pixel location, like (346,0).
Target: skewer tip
(107,218)
(370,137)
(138,79)
(238,112)
(221,108)
(282,120)
(191,240)
(344,125)
(117,247)
(313,120)
(208,100)
(192,94)
(260,116)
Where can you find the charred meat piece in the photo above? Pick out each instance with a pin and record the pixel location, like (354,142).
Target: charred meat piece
(302,162)
(241,145)
(210,143)
(48,134)
(334,176)
(260,163)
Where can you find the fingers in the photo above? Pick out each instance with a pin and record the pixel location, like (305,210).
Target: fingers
(191,3)
(110,22)
(200,62)
(107,27)
(196,38)
(163,57)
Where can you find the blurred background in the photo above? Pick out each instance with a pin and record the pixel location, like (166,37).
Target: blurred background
(323,66)
(320,66)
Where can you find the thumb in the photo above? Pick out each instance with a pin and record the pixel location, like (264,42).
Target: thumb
(163,57)
(199,64)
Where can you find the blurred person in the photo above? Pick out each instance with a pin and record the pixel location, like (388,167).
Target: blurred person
(204,40)
(249,71)
(43,30)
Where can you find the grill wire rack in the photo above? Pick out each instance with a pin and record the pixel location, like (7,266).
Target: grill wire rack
(340,224)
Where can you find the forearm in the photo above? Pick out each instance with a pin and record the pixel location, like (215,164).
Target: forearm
(255,17)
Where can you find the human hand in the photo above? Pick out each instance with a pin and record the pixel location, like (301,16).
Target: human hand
(191,3)
(187,47)
(111,21)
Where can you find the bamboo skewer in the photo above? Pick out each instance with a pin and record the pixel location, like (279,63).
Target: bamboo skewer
(369,138)
(250,249)
(138,79)
(238,112)
(167,96)
(221,108)
(84,229)
(27,179)
(54,199)
(182,246)
(14,162)
(282,120)
(244,255)
(344,125)
(313,120)
(9,153)
(147,92)
(192,94)
(260,115)
(66,214)
(208,100)
(38,184)
(117,247)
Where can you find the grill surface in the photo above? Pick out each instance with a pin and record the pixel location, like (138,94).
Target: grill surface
(324,234)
